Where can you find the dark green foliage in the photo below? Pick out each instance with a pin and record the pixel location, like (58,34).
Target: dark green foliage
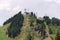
(32,18)
(32,13)
(57,36)
(38,28)
(26,13)
(15,26)
(47,19)
(10,19)
(50,31)
(43,32)
(31,24)
(43,26)
(29,37)
(55,21)
(35,15)
(39,21)
(39,24)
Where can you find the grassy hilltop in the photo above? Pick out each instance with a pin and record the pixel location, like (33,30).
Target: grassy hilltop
(28,27)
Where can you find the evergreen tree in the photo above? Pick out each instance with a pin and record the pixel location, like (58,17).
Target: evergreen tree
(47,19)
(15,26)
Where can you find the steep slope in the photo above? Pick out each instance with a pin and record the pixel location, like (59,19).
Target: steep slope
(3,30)
(26,33)
(47,32)
(25,29)
(31,29)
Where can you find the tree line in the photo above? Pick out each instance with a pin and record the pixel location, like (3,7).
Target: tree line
(53,21)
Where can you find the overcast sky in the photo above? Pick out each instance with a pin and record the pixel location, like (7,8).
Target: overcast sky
(8,8)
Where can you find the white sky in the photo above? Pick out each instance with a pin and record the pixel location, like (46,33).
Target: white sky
(9,8)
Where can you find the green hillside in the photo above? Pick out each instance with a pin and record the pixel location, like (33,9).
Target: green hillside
(32,28)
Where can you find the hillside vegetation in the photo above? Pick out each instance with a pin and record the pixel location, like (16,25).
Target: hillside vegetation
(28,27)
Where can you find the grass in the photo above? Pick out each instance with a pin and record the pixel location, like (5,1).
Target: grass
(26,30)
(3,35)
(24,33)
(55,29)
